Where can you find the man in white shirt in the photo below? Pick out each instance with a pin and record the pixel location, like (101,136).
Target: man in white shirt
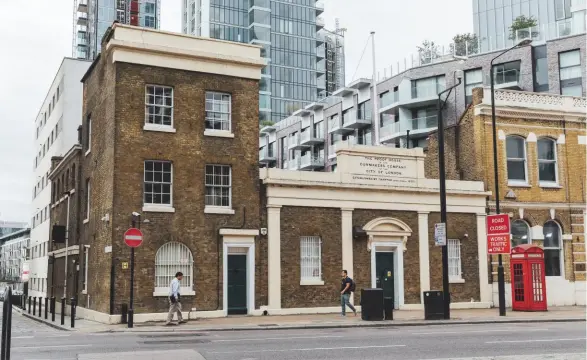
(174,300)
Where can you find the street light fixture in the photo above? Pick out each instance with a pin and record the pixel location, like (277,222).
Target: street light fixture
(442,178)
(500,269)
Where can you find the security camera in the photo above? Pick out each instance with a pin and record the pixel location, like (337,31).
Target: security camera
(459,74)
(134,213)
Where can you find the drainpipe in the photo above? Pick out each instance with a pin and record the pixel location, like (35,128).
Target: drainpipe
(66,247)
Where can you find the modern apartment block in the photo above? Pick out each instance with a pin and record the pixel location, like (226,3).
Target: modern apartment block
(308,139)
(93,17)
(56,123)
(8,227)
(293,42)
(555,18)
(13,255)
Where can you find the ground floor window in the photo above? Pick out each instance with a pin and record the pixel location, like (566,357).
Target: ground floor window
(454,260)
(552,248)
(311,258)
(170,259)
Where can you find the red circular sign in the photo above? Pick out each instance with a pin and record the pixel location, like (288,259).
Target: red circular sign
(133,237)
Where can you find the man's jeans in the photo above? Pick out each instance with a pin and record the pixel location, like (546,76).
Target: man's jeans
(344,302)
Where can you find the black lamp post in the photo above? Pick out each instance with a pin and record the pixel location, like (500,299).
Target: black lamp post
(442,177)
(500,269)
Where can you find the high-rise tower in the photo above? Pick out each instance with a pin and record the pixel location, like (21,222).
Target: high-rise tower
(91,18)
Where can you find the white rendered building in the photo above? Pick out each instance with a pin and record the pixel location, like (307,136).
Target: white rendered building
(55,133)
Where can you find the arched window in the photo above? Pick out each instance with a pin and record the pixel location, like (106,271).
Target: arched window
(547,169)
(73,176)
(520,233)
(552,248)
(516,159)
(171,258)
(67,183)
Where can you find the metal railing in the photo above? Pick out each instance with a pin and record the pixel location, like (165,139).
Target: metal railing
(349,117)
(334,123)
(311,160)
(389,98)
(389,129)
(294,141)
(426,91)
(425,122)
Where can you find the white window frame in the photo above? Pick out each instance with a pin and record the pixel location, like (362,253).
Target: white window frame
(86,258)
(215,209)
(560,249)
(515,182)
(182,260)
(88,188)
(545,183)
(211,103)
(155,126)
(309,261)
(155,207)
(89,124)
(455,272)
(469,86)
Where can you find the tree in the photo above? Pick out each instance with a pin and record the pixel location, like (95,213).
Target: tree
(522,27)
(427,52)
(266,123)
(465,44)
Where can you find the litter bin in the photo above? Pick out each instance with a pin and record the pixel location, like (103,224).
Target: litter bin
(433,305)
(372,304)
(124,313)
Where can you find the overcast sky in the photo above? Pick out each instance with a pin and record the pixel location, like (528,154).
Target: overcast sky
(37,34)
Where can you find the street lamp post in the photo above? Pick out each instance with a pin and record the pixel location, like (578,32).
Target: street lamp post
(442,178)
(500,269)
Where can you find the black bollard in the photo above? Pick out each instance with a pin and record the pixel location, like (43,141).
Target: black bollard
(23,302)
(62,311)
(46,308)
(53,308)
(73,306)
(40,307)
(30,304)
(34,306)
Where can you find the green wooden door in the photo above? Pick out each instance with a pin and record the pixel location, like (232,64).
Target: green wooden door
(237,284)
(384,273)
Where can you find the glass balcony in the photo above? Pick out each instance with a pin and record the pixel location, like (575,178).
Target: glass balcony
(321,51)
(350,121)
(82,38)
(260,3)
(320,37)
(82,6)
(509,79)
(425,123)
(309,138)
(321,83)
(389,132)
(294,164)
(319,22)
(260,33)
(82,19)
(321,66)
(266,156)
(259,17)
(424,95)
(388,101)
(295,142)
(311,161)
(319,7)
(333,147)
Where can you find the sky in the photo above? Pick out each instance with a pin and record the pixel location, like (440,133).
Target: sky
(37,34)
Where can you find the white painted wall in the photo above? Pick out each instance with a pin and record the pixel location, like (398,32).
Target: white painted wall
(69,110)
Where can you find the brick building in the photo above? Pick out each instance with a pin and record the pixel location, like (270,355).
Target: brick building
(169,131)
(375,215)
(541,149)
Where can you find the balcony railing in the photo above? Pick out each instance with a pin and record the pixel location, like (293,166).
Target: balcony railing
(425,122)
(319,7)
(294,164)
(388,130)
(321,66)
(267,155)
(427,91)
(351,121)
(321,51)
(389,98)
(507,78)
(311,161)
(319,22)
(334,124)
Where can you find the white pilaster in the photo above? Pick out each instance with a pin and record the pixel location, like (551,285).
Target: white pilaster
(274,253)
(424,253)
(347,242)
(484,286)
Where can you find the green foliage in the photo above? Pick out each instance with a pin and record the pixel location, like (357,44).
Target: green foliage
(266,123)
(427,52)
(521,26)
(465,44)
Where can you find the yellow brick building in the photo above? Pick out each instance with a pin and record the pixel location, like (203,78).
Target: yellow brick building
(542,168)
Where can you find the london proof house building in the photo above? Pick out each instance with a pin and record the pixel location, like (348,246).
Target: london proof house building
(541,163)
(169,133)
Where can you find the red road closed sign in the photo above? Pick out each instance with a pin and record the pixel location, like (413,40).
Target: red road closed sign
(498,234)
(133,237)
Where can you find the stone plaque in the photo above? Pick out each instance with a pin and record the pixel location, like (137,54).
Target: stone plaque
(383,170)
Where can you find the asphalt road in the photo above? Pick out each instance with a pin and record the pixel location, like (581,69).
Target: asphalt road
(554,341)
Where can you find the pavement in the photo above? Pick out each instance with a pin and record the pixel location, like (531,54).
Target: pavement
(495,341)
(326,321)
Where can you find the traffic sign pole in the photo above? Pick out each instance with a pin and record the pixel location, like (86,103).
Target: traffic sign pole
(133,238)
(498,229)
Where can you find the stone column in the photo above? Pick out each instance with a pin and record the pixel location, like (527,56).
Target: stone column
(424,250)
(274,254)
(485,288)
(347,243)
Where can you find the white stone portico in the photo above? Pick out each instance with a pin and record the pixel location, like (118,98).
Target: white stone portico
(378,179)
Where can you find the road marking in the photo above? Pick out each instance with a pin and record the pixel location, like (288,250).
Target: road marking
(48,347)
(23,337)
(308,349)
(532,340)
(551,356)
(472,331)
(279,338)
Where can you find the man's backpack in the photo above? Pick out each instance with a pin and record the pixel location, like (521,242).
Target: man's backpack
(353,285)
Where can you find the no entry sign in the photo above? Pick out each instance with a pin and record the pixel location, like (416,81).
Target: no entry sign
(133,237)
(498,234)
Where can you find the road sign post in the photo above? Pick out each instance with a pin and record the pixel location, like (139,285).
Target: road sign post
(133,238)
(498,242)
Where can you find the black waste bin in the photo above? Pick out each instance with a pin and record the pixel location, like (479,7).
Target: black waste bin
(124,313)
(433,305)
(388,308)
(372,304)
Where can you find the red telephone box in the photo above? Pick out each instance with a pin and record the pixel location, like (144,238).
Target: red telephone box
(528,278)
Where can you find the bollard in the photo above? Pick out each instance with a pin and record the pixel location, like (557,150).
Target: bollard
(46,308)
(23,302)
(34,306)
(30,299)
(6,326)
(62,311)
(40,307)
(73,306)
(53,308)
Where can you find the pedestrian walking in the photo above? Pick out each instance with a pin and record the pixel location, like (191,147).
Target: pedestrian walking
(346,288)
(175,300)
